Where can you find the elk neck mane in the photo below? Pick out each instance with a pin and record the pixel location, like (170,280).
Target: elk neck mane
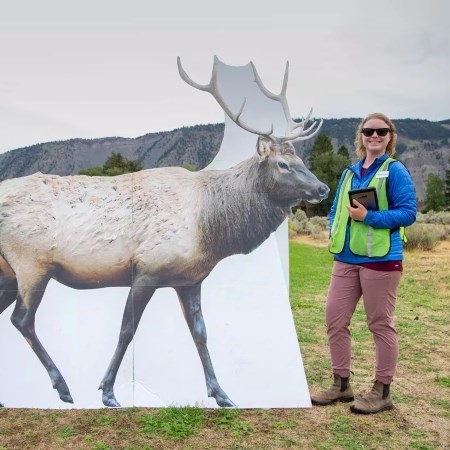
(237,212)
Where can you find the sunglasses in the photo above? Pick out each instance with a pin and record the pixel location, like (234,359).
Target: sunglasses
(367,132)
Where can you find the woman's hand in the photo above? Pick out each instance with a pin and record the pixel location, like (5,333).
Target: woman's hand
(358,213)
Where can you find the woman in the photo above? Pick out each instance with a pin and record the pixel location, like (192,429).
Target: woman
(368,251)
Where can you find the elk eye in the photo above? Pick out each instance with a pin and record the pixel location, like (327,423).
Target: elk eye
(282,165)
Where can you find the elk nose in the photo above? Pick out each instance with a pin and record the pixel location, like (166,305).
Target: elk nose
(324,190)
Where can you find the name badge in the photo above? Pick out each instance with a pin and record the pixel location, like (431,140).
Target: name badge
(382,174)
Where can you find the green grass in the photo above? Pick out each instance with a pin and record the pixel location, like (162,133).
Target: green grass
(231,419)
(422,323)
(420,391)
(443,381)
(310,269)
(66,432)
(173,423)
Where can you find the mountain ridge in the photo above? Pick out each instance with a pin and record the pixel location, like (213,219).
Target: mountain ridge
(423,146)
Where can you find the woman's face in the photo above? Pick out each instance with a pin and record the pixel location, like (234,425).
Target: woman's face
(375,145)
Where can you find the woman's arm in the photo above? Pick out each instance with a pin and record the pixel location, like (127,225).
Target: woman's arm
(402,201)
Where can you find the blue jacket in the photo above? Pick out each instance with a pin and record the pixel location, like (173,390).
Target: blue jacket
(402,208)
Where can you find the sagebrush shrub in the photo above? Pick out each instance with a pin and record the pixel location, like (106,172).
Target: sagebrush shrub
(299,223)
(423,236)
(441,217)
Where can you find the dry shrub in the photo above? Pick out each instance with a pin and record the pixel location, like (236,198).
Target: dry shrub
(319,222)
(292,228)
(299,223)
(441,217)
(424,236)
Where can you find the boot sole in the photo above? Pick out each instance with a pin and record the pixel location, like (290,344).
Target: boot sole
(362,411)
(342,400)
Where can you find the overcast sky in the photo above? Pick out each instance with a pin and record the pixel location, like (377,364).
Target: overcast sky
(96,68)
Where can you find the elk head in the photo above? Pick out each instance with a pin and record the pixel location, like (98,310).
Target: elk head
(283,174)
(285,177)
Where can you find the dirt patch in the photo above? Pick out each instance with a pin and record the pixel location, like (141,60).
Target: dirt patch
(320,240)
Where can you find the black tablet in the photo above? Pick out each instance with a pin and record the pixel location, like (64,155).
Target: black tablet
(367,197)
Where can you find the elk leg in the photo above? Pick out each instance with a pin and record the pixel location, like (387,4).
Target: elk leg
(8,285)
(190,300)
(8,294)
(138,299)
(23,318)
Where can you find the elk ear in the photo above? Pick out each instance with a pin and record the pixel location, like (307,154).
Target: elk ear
(263,147)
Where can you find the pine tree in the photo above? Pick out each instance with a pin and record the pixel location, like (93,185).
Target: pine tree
(343,150)
(116,164)
(328,167)
(322,145)
(435,193)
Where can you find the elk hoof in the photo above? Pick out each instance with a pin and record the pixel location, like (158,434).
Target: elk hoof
(66,398)
(109,399)
(64,393)
(63,390)
(221,398)
(225,402)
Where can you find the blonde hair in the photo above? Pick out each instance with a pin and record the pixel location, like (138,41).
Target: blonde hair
(390,149)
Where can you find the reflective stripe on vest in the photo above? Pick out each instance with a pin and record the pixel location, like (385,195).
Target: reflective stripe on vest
(364,240)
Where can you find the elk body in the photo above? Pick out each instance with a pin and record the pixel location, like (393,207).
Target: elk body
(164,227)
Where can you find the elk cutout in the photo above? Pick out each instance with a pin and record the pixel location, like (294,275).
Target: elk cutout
(75,230)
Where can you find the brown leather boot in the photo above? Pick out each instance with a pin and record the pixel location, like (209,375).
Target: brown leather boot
(377,400)
(340,391)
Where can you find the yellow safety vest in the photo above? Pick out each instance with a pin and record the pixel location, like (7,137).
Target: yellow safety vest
(364,240)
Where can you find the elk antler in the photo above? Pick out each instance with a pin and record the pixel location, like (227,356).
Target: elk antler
(299,134)
(213,89)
